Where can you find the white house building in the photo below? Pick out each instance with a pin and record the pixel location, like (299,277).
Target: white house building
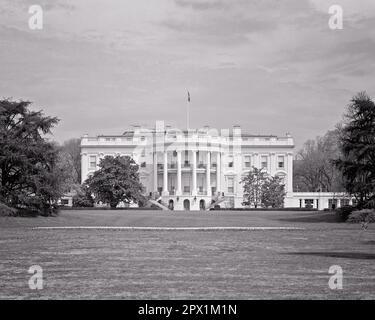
(192,168)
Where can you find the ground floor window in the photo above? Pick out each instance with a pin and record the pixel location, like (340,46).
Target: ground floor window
(186,204)
(309,203)
(202,205)
(332,204)
(171,204)
(230,183)
(344,202)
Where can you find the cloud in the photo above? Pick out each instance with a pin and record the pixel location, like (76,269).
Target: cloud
(202,5)
(274,66)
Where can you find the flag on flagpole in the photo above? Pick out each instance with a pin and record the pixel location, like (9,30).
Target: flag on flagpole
(188,96)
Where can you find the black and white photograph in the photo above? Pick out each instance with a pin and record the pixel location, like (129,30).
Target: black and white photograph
(212,151)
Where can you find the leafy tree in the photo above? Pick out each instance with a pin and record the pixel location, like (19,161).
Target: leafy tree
(83,197)
(262,189)
(357,145)
(273,192)
(314,169)
(29,176)
(252,185)
(116,180)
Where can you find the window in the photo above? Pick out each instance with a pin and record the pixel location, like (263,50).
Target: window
(186,189)
(230,161)
(247,161)
(143,138)
(332,203)
(186,157)
(143,165)
(143,153)
(309,203)
(344,202)
(92,162)
(280,162)
(264,162)
(230,185)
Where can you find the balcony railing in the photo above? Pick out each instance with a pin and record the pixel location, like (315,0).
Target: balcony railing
(188,165)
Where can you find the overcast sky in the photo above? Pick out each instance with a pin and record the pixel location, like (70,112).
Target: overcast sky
(270,66)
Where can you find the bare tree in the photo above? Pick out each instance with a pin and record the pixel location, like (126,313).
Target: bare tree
(314,169)
(71,152)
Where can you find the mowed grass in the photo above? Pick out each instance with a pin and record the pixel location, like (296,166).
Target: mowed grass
(186,264)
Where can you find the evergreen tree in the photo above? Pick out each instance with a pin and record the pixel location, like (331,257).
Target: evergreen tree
(357,143)
(29,175)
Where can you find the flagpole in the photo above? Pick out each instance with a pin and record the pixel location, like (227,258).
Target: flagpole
(187,111)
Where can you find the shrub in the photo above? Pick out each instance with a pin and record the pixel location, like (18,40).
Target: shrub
(83,199)
(5,211)
(34,211)
(364,216)
(343,213)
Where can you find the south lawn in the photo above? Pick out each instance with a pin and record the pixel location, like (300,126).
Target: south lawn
(176,261)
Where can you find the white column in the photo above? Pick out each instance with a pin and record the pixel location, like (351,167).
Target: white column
(194,178)
(155,166)
(256,160)
(273,163)
(165,175)
(208,174)
(84,166)
(179,191)
(218,172)
(290,174)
